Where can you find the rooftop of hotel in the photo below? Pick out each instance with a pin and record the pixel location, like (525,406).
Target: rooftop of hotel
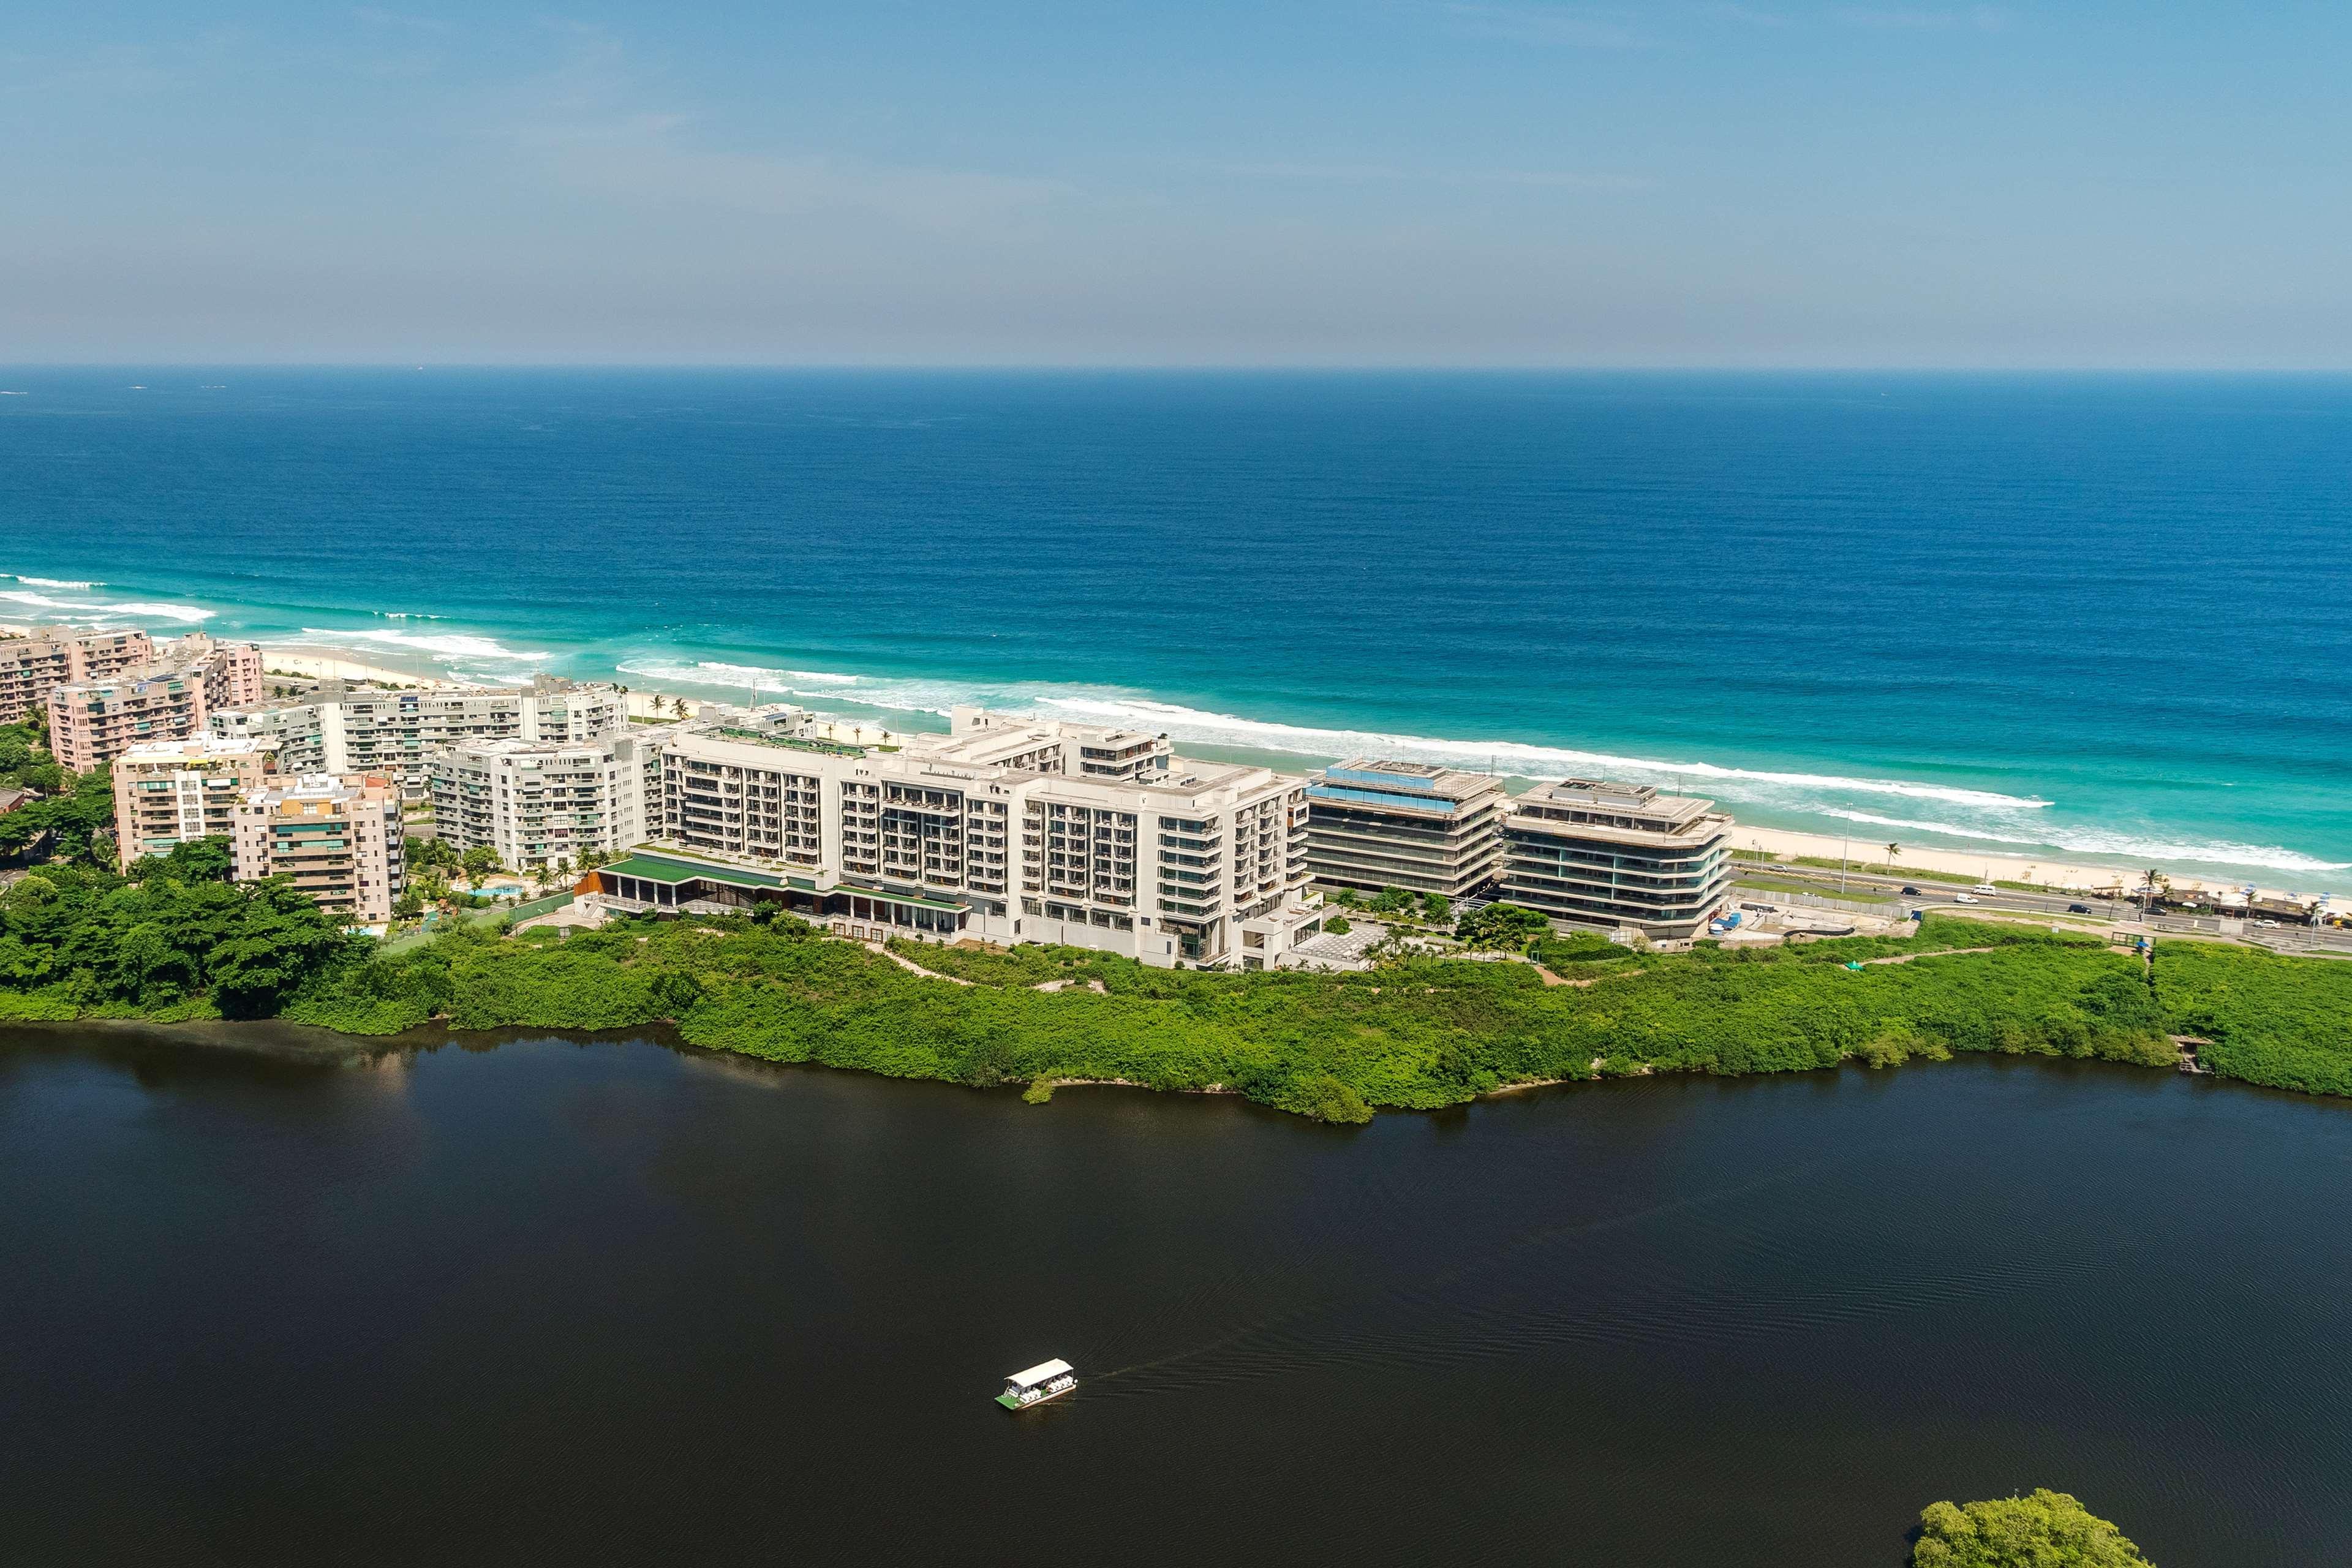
(1599,802)
(1381,782)
(987,738)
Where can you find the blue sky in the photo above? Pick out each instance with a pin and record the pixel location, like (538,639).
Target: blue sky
(1388,182)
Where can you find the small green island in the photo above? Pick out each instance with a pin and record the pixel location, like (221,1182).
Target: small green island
(2045,1529)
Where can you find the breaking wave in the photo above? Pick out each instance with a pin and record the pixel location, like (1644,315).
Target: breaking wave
(93,610)
(2104,841)
(1193,724)
(2016,822)
(446,646)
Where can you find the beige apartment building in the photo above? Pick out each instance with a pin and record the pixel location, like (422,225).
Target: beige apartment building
(168,792)
(1618,855)
(541,803)
(1379,825)
(1006,829)
(341,728)
(33,665)
(165,698)
(338,839)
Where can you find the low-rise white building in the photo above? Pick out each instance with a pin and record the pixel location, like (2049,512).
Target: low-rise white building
(543,803)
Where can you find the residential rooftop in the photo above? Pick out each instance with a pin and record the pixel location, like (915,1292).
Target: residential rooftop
(205,746)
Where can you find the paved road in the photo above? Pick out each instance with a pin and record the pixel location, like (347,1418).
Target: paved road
(1934,894)
(1939,895)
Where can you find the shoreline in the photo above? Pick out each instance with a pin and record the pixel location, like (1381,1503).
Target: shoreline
(323,1047)
(2003,865)
(1323,1046)
(402,666)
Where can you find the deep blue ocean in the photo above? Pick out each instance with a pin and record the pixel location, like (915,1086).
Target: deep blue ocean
(2105,616)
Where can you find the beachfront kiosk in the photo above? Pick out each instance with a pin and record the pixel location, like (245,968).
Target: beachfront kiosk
(1046,1380)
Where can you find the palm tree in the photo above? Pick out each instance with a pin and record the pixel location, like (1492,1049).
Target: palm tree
(1892,851)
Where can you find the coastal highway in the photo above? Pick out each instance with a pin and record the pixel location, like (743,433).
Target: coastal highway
(1930,893)
(1938,895)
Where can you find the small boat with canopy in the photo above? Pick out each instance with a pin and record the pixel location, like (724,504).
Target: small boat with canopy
(1046,1380)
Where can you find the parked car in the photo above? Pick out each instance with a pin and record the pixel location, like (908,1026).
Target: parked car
(2078,909)
(1909,891)
(1964,898)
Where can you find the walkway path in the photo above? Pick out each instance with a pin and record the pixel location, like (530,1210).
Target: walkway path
(1939,953)
(910,966)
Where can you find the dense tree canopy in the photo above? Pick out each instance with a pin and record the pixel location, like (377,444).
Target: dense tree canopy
(173,939)
(74,812)
(1502,927)
(2047,1529)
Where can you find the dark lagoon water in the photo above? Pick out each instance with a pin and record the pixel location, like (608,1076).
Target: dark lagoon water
(611,1302)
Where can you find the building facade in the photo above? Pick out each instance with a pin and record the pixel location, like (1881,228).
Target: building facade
(341,728)
(31,667)
(1008,830)
(1379,825)
(543,803)
(167,697)
(1618,855)
(338,839)
(169,792)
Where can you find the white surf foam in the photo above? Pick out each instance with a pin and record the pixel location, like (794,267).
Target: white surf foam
(2102,841)
(186,615)
(1181,724)
(56,582)
(89,610)
(443,645)
(716,672)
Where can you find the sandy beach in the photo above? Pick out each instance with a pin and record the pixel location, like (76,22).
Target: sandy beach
(328,664)
(2053,873)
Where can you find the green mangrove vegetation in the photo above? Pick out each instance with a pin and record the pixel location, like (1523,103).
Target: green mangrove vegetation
(174,939)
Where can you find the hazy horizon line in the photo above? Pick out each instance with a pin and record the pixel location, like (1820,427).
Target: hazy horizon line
(1266,367)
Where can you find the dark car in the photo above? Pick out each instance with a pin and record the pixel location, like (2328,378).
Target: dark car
(1909,892)
(2078,909)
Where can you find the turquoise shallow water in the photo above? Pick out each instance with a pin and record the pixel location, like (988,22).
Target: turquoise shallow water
(2098,616)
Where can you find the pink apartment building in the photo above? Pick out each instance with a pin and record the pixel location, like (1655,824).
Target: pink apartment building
(337,837)
(164,698)
(32,667)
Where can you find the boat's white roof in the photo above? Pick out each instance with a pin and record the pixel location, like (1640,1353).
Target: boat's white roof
(1044,1372)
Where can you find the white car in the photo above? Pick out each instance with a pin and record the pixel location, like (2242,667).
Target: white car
(1964,898)
(1984,888)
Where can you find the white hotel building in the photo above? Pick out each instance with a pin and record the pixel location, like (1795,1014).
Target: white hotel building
(1005,829)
